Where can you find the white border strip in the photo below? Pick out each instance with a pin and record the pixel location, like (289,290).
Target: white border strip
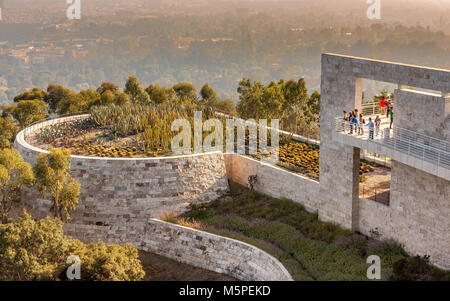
(20,140)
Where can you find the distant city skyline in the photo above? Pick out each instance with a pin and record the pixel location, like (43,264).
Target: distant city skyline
(214,41)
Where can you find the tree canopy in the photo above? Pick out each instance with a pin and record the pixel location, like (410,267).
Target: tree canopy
(79,102)
(135,91)
(28,111)
(186,92)
(8,131)
(108,86)
(52,172)
(160,94)
(15,174)
(287,101)
(31,250)
(207,93)
(56,93)
(35,93)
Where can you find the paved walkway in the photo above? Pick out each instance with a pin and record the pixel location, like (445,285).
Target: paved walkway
(377,186)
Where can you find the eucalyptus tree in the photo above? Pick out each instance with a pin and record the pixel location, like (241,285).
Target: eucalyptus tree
(53,177)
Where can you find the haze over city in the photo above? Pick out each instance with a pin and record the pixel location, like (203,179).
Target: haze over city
(213,41)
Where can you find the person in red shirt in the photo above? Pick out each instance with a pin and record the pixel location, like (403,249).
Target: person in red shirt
(383,105)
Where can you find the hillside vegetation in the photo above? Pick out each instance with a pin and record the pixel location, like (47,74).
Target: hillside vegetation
(308,248)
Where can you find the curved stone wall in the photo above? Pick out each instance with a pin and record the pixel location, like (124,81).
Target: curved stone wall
(213,252)
(198,248)
(117,192)
(119,197)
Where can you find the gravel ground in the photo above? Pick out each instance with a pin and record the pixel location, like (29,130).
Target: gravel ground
(159,268)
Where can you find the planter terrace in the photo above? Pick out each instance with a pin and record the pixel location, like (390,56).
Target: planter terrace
(119,190)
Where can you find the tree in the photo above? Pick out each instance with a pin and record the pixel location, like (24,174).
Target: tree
(134,89)
(31,250)
(250,103)
(295,97)
(186,92)
(295,94)
(15,174)
(207,93)
(55,93)
(90,97)
(70,103)
(159,94)
(313,104)
(226,106)
(121,99)
(78,102)
(28,111)
(53,176)
(8,131)
(107,98)
(258,101)
(108,86)
(36,93)
(308,118)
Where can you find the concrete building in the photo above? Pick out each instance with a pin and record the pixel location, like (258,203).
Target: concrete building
(418,215)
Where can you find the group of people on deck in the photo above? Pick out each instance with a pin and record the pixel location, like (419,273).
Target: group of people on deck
(356,121)
(387,108)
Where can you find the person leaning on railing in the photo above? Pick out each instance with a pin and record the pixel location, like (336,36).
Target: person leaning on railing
(362,122)
(350,120)
(377,125)
(371,128)
(356,122)
(391,115)
(383,105)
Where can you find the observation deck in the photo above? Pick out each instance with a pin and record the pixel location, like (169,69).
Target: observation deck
(412,148)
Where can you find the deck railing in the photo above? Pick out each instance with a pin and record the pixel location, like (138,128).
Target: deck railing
(418,145)
(371,108)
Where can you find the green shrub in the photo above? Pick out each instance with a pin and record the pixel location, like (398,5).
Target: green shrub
(27,112)
(308,248)
(31,250)
(8,131)
(417,268)
(15,175)
(53,178)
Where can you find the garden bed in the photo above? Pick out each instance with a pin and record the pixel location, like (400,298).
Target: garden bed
(85,138)
(303,158)
(308,248)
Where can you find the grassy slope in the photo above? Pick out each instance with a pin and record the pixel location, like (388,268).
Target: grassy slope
(308,248)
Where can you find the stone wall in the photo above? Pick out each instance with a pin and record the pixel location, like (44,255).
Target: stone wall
(198,248)
(120,191)
(417,216)
(421,112)
(274,181)
(213,252)
(420,202)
